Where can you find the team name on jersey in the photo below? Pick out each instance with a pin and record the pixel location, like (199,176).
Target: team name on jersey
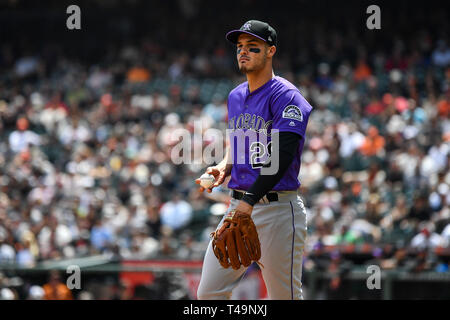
(247,121)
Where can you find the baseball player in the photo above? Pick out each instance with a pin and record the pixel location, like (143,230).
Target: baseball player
(263,104)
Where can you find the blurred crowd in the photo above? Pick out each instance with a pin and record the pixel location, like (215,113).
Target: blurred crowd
(85,161)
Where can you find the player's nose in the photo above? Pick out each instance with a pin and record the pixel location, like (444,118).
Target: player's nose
(242,51)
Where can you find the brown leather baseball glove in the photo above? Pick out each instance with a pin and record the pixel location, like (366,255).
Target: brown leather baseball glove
(236,243)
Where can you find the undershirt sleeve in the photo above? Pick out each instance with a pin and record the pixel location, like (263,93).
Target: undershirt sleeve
(289,142)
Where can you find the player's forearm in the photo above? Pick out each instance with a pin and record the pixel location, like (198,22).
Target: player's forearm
(226,164)
(264,183)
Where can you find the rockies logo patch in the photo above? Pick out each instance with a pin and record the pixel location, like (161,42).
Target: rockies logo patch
(293,112)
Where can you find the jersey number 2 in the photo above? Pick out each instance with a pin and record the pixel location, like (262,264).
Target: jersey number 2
(257,151)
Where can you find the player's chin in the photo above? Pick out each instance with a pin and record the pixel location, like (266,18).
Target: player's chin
(243,68)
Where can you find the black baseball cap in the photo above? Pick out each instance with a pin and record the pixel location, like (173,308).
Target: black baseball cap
(259,29)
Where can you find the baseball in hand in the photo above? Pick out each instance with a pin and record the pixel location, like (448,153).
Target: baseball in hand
(207,180)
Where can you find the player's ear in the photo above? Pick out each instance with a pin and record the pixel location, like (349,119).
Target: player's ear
(271,51)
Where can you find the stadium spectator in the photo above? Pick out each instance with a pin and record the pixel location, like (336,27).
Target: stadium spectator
(21,139)
(441,55)
(55,289)
(176,213)
(373,143)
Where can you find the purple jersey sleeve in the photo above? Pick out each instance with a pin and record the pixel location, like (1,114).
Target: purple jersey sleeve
(291,112)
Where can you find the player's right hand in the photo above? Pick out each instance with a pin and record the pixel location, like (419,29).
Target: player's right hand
(219,174)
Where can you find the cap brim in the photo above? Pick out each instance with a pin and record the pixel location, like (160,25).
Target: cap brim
(233,35)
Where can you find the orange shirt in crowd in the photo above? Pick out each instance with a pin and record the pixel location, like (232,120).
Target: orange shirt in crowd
(138,74)
(373,143)
(362,71)
(444,108)
(57,291)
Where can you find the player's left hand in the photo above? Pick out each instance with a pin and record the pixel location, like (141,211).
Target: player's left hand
(242,207)
(236,243)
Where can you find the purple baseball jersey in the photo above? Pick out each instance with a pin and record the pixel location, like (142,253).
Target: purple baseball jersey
(278,104)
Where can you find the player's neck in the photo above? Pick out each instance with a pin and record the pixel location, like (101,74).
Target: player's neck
(259,78)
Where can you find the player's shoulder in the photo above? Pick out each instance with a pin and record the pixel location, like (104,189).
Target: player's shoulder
(282,85)
(284,90)
(239,90)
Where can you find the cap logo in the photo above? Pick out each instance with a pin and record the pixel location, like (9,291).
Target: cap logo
(247,26)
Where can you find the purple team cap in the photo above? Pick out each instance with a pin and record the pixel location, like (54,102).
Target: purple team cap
(259,29)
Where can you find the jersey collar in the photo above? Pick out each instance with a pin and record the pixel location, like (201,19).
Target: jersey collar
(247,91)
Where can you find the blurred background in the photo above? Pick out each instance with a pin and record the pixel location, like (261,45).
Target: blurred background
(86,118)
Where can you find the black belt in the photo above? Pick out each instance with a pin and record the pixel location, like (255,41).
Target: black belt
(271,197)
